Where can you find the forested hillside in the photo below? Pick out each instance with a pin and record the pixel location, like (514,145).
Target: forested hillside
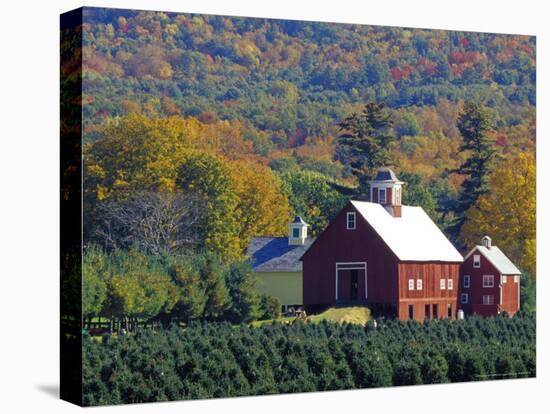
(218,129)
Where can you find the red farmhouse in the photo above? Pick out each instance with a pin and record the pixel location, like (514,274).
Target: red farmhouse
(490,281)
(385,255)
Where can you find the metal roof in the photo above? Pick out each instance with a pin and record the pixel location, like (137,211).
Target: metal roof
(274,254)
(497,258)
(413,236)
(298,220)
(385,174)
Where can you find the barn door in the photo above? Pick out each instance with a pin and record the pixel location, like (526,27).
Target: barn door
(351,281)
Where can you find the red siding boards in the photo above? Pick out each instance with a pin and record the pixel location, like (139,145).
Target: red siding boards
(505,294)
(431,293)
(339,245)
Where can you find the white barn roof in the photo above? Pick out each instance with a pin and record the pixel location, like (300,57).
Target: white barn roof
(413,236)
(497,259)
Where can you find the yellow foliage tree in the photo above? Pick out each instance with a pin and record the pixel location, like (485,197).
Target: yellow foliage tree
(508,212)
(262,209)
(139,153)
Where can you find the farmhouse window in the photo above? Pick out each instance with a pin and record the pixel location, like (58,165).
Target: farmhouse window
(295,233)
(419,284)
(382,196)
(488,281)
(450,284)
(411,284)
(488,299)
(466,282)
(477,260)
(442,284)
(464,298)
(350,225)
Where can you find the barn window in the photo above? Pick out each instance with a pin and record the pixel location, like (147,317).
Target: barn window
(516,279)
(419,284)
(382,196)
(411,284)
(450,284)
(350,222)
(466,282)
(504,279)
(450,311)
(477,260)
(442,284)
(411,311)
(464,298)
(488,281)
(488,299)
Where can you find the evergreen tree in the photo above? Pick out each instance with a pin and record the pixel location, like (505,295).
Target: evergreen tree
(244,300)
(474,124)
(365,143)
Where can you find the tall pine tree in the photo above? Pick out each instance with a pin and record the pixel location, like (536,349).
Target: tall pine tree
(365,143)
(474,124)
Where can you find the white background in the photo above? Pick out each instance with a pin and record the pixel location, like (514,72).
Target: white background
(29,207)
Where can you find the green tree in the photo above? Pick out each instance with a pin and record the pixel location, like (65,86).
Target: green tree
(270,307)
(244,300)
(312,197)
(365,143)
(474,124)
(191,298)
(94,289)
(211,274)
(208,176)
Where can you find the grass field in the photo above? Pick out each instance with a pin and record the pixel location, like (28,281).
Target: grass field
(355,314)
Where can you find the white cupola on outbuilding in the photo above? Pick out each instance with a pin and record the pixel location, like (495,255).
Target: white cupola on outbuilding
(385,189)
(486,242)
(297,231)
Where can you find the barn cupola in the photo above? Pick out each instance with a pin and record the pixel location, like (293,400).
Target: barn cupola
(385,189)
(486,242)
(297,232)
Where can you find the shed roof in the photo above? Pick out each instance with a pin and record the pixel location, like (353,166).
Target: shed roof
(497,258)
(411,237)
(274,254)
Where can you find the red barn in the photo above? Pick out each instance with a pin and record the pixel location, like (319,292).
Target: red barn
(490,281)
(385,255)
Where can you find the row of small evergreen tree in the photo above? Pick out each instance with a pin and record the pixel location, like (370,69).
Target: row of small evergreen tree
(213,360)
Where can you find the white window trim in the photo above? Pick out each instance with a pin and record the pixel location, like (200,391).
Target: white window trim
(450,284)
(487,285)
(516,279)
(385,195)
(466,285)
(348,215)
(442,284)
(488,301)
(411,284)
(477,259)
(503,279)
(464,298)
(418,284)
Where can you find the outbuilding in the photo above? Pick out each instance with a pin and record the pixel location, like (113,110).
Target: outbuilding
(490,281)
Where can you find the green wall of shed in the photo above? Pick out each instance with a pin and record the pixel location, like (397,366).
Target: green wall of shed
(285,286)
